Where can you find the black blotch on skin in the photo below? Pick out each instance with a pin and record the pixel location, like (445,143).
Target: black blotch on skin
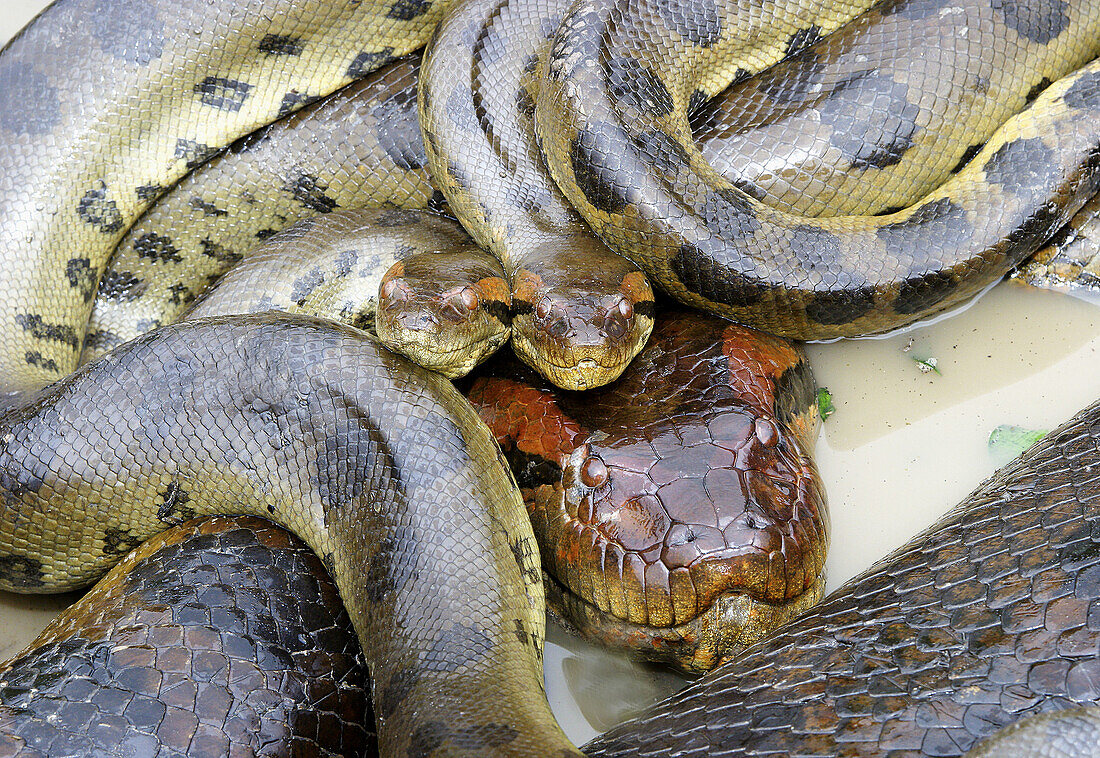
(393,564)
(701,274)
(728,215)
(663,151)
(82,277)
(406,10)
(97,210)
(308,190)
(872,121)
(459,646)
(1035,20)
(173,506)
(43,330)
(525,104)
(305,284)
(1085,92)
(794,83)
(251,141)
(1020,165)
(697,100)
(636,86)
(263,234)
(593,153)
(99,339)
(292,101)
(521,308)
(912,9)
(181,294)
(967,156)
(700,24)
(921,293)
(29,103)
(366,62)
(840,307)
(750,189)
(802,39)
(350,461)
(148,192)
(194,153)
(795,391)
(21,571)
(130,30)
(531,469)
(928,230)
(1037,90)
(157,248)
(438,202)
(396,217)
(119,542)
(223,94)
(396,690)
(890,210)
(35,358)
(206,208)
(432,735)
(280,44)
(219,253)
(399,130)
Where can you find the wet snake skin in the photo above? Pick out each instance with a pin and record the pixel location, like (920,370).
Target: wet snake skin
(612,116)
(1071,260)
(359,147)
(381,467)
(679,513)
(218,637)
(987,617)
(333,265)
(101,117)
(1072,733)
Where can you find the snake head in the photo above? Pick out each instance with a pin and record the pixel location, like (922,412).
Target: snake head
(443,311)
(582,324)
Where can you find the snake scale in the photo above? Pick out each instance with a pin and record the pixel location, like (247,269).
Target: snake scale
(48,327)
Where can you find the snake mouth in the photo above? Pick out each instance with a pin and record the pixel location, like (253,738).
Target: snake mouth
(732,623)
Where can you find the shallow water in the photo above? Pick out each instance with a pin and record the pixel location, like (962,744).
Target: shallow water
(902,448)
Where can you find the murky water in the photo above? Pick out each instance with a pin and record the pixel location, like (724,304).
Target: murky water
(902,448)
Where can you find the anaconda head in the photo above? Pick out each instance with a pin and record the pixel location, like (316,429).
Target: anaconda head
(448,311)
(678,511)
(581,320)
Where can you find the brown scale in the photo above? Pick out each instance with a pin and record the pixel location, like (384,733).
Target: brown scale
(222,636)
(984,619)
(677,508)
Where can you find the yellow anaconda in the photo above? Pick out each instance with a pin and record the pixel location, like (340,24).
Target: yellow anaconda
(381,467)
(612,113)
(107,102)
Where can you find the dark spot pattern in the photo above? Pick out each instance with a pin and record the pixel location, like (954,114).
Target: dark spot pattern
(406,10)
(173,506)
(1035,20)
(872,121)
(29,103)
(129,30)
(635,85)
(432,735)
(399,687)
(912,9)
(82,277)
(121,287)
(1037,90)
(21,571)
(181,294)
(795,391)
(921,293)
(840,307)
(308,190)
(700,23)
(967,156)
(352,462)
(194,153)
(796,83)
(148,192)
(43,330)
(119,541)
(292,101)
(728,215)
(35,358)
(366,62)
(530,469)
(157,248)
(698,99)
(218,252)
(1085,92)
(594,153)
(662,151)
(398,130)
(927,230)
(1020,166)
(223,94)
(207,208)
(701,274)
(393,565)
(95,209)
(803,39)
(280,44)
(457,647)
(305,284)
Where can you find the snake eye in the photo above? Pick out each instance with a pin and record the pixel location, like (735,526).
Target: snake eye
(542,308)
(469,298)
(626,308)
(593,472)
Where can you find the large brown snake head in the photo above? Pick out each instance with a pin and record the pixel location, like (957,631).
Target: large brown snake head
(678,511)
(577,335)
(447,310)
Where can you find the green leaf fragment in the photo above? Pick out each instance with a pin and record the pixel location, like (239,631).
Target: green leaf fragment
(927,364)
(1008,441)
(825,403)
